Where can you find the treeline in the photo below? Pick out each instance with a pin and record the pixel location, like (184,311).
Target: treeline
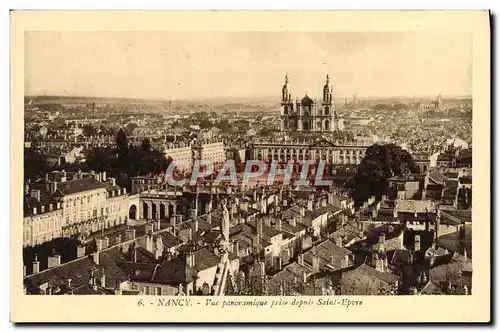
(381,162)
(122,161)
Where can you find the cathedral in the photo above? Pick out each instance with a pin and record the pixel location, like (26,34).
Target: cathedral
(306,115)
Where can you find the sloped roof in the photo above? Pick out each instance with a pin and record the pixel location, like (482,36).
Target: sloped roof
(80,185)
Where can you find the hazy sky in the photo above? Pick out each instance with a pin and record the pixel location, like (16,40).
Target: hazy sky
(176,65)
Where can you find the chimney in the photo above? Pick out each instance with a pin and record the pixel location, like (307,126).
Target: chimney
(103,176)
(69,283)
(338,241)
(279,225)
(195,224)
(35,193)
(323,202)
(95,257)
(149,243)
(99,244)
(432,260)
(53,187)
(304,277)
(302,211)
(158,253)
(190,259)
(236,248)
(34,211)
(42,209)
(134,254)
(345,262)
(381,238)
(36,265)
(259,227)
(330,198)
(51,207)
(54,261)
(58,205)
(209,218)
(103,279)
(417,243)
(315,264)
(300,259)
(92,281)
(118,239)
(310,204)
(80,251)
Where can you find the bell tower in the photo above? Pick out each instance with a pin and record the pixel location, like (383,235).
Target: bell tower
(286,106)
(329,116)
(327,92)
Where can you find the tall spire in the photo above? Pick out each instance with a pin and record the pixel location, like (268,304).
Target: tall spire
(327,91)
(285,92)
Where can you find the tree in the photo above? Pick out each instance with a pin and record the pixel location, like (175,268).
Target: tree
(130,127)
(146,144)
(381,162)
(89,130)
(100,160)
(35,164)
(122,144)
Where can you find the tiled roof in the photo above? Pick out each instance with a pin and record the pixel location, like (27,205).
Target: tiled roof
(80,185)
(173,272)
(205,259)
(407,205)
(456,216)
(370,271)
(437,177)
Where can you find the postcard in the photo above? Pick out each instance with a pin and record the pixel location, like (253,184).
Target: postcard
(250,166)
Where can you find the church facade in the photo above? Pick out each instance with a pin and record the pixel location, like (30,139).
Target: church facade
(306,115)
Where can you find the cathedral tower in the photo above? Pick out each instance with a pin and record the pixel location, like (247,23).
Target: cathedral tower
(306,115)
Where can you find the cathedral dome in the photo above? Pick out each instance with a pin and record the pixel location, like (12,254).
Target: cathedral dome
(306,101)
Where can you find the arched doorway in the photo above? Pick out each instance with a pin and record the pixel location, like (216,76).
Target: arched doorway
(132,212)
(162,211)
(145,211)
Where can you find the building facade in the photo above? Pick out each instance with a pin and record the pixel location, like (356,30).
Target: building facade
(180,153)
(306,115)
(65,207)
(304,149)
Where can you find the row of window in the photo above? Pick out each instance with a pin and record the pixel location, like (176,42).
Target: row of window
(88,199)
(147,290)
(43,225)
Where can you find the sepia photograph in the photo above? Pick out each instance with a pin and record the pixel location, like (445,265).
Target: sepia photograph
(184,167)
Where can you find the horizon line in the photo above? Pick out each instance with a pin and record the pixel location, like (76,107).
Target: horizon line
(199,98)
